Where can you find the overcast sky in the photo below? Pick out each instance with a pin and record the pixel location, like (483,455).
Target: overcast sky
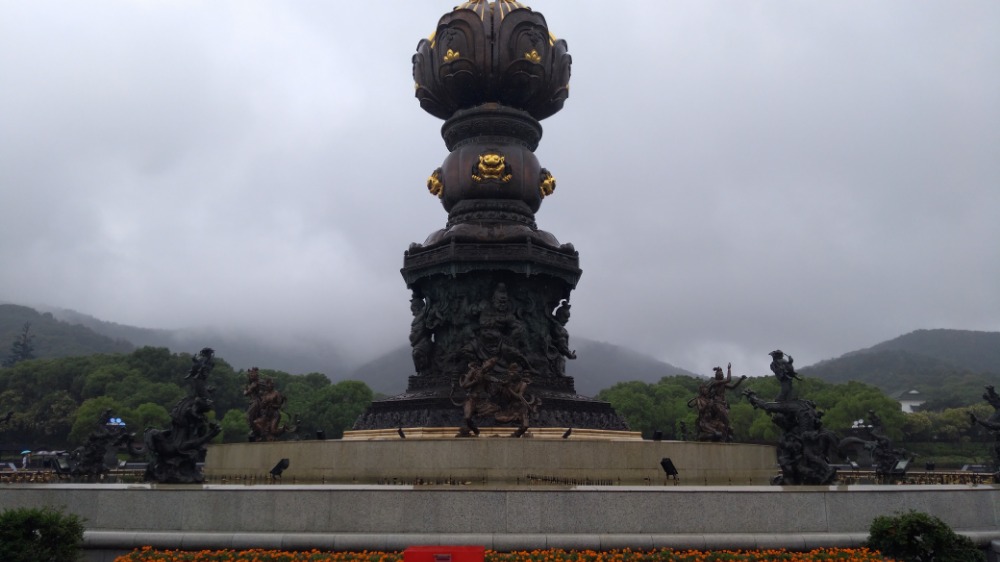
(737,176)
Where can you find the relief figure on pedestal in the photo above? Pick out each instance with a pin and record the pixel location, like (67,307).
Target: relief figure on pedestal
(558,350)
(479,384)
(421,335)
(516,405)
(506,399)
(501,332)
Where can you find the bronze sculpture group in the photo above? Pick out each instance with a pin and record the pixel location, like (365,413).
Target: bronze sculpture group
(174,453)
(504,397)
(805,448)
(90,459)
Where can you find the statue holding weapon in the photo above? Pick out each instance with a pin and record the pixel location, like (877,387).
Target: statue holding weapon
(783,369)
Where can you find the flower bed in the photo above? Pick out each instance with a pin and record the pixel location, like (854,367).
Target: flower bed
(555,555)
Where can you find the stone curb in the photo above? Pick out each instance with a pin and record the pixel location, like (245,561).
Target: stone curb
(124,540)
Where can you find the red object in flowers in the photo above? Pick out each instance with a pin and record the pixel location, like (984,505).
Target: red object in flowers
(444,554)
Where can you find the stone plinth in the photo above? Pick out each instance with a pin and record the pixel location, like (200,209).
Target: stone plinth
(379,457)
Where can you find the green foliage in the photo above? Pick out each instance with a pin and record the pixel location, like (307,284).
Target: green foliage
(947,437)
(56,402)
(88,417)
(147,415)
(333,408)
(234,427)
(655,407)
(915,536)
(40,535)
(662,406)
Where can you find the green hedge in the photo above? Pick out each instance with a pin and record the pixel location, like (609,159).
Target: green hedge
(915,536)
(40,535)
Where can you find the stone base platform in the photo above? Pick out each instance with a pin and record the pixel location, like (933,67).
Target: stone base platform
(358,517)
(543,456)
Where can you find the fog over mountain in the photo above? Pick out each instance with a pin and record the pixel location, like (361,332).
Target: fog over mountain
(737,177)
(949,367)
(599,365)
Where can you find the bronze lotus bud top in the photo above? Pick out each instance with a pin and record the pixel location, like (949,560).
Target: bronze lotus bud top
(492,52)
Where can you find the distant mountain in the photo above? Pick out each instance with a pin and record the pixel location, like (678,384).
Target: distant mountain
(52,337)
(976,351)
(240,350)
(888,369)
(950,367)
(598,366)
(387,373)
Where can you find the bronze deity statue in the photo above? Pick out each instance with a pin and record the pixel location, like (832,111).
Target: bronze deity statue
(713,408)
(265,415)
(784,371)
(806,448)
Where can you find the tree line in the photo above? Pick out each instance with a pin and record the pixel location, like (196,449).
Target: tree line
(944,434)
(56,403)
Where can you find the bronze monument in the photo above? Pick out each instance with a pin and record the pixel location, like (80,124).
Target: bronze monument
(490,285)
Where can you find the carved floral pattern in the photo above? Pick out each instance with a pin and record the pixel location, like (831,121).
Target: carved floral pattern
(454,68)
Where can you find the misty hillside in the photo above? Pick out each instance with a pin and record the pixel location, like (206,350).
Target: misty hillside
(241,351)
(950,367)
(598,366)
(139,337)
(53,338)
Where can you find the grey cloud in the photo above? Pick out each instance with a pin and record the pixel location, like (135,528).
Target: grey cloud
(816,177)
